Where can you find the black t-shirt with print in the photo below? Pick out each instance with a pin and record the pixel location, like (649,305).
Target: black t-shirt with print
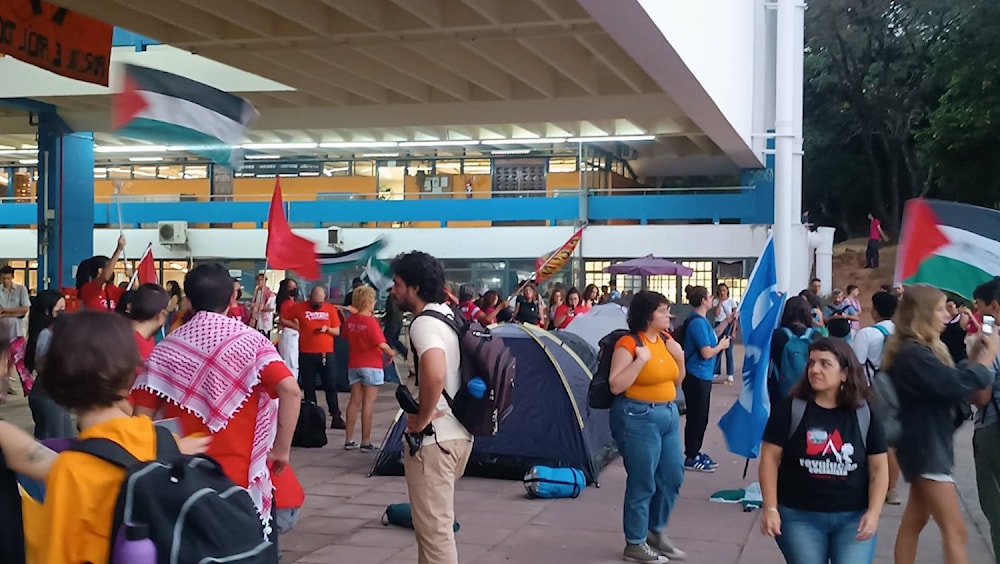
(822,468)
(527,312)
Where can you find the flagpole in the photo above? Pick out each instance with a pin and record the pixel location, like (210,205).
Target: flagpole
(118,204)
(534,274)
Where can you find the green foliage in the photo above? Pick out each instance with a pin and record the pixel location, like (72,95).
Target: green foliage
(871,86)
(963,137)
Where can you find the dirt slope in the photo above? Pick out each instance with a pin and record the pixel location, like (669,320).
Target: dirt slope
(848,268)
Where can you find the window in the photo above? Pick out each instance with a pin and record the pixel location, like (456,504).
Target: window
(562,164)
(737,287)
(702,274)
(593,273)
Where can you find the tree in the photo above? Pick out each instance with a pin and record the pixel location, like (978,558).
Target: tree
(869,63)
(962,141)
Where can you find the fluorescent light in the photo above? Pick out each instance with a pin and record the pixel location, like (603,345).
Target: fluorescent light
(378,155)
(261,157)
(145,159)
(28,161)
(196,148)
(511,152)
(131,149)
(272,146)
(611,139)
(359,145)
(17,152)
(527,141)
(308,174)
(30,147)
(445,143)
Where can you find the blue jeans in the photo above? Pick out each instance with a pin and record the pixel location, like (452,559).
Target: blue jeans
(812,537)
(730,369)
(649,440)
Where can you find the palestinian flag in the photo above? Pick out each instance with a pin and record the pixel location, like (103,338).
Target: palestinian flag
(379,274)
(333,263)
(168,109)
(951,246)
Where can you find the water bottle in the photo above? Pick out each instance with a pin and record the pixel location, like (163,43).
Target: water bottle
(135,546)
(477,387)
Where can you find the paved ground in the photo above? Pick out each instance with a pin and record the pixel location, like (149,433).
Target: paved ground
(340,521)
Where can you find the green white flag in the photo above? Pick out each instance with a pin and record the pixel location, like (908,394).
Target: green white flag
(379,274)
(334,263)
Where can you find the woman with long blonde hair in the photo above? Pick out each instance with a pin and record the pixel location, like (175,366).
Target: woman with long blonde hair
(933,396)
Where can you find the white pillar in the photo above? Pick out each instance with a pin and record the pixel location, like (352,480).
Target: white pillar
(797,86)
(823,238)
(784,143)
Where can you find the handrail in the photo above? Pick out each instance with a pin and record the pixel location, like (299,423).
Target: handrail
(370,196)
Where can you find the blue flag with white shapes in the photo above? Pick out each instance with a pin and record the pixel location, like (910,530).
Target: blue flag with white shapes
(743,425)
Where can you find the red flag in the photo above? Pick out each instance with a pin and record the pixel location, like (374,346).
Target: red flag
(147,268)
(546,266)
(285,249)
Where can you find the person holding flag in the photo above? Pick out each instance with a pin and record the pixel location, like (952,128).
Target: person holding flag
(95,280)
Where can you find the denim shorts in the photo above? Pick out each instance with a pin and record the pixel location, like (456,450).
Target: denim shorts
(366,376)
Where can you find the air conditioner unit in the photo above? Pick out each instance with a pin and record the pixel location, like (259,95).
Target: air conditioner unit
(333,237)
(173,232)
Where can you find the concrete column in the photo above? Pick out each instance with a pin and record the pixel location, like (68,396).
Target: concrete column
(784,141)
(822,240)
(65,201)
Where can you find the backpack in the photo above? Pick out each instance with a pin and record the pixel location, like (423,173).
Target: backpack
(192,512)
(840,327)
(599,394)
(486,358)
(680,334)
(886,406)
(864,414)
(870,369)
(794,357)
(310,430)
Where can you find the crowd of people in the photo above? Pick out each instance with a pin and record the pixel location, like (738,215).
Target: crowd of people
(827,466)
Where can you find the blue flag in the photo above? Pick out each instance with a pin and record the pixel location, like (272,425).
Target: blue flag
(743,425)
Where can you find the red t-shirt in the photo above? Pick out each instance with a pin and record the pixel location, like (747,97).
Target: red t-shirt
(145,345)
(873,232)
(311,320)
(288,492)
(100,296)
(365,336)
(972,330)
(232,445)
(470,310)
(570,315)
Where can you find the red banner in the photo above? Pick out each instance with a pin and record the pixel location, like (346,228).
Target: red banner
(53,38)
(547,266)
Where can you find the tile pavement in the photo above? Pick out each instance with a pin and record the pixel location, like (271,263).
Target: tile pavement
(341,518)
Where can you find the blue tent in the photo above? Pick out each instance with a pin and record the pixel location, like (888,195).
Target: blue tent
(551,423)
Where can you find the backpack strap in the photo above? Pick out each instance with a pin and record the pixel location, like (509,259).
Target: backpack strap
(798,412)
(166,444)
(455,325)
(882,329)
(864,422)
(108,451)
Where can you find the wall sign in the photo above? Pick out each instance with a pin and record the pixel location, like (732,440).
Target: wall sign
(56,39)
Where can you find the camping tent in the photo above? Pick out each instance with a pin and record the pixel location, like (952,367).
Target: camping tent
(551,423)
(598,322)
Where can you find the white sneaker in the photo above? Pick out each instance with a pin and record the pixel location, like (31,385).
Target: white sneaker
(643,553)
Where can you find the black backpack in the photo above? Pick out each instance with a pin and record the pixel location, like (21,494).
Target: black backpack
(193,513)
(310,430)
(486,357)
(680,334)
(599,395)
(839,327)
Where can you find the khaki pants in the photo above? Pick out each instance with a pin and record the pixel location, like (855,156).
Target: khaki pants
(430,479)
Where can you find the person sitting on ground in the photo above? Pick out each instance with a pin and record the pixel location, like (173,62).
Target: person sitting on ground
(91,365)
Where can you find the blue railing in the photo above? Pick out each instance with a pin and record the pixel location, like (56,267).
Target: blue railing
(745,206)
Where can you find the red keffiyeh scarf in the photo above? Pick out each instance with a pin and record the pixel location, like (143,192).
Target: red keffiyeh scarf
(210,366)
